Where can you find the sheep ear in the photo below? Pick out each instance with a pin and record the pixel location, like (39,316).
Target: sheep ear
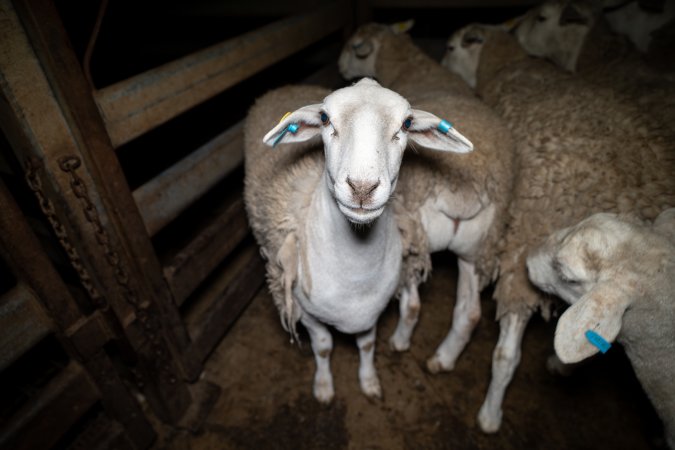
(570,15)
(402,27)
(298,126)
(431,132)
(600,310)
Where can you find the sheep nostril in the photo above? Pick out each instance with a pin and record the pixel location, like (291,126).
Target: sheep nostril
(362,190)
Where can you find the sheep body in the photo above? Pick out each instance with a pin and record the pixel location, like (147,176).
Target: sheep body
(322,218)
(579,150)
(619,275)
(460,200)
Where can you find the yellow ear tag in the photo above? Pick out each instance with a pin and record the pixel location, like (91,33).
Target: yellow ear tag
(285,115)
(402,27)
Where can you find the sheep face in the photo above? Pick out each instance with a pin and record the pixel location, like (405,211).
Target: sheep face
(589,265)
(462,53)
(359,55)
(365,129)
(556,30)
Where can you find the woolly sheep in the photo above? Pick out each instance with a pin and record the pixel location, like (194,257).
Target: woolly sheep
(579,150)
(618,274)
(321,219)
(639,24)
(575,37)
(460,200)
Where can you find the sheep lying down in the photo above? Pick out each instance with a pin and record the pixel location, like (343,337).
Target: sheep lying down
(324,219)
(619,276)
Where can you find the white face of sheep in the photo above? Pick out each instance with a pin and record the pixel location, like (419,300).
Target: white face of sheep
(462,53)
(359,55)
(365,129)
(580,265)
(556,30)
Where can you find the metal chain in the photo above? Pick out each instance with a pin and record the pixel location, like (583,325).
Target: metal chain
(149,322)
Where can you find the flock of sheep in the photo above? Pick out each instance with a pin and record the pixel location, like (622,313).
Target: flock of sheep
(541,152)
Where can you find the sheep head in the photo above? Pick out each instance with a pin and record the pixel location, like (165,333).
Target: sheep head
(557,30)
(462,52)
(597,266)
(359,54)
(365,129)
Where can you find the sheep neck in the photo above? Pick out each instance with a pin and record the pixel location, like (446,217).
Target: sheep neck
(354,271)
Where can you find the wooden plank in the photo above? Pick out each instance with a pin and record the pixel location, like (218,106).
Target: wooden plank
(163,198)
(220,305)
(138,104)
(41,422)
(206,250)
(22,323)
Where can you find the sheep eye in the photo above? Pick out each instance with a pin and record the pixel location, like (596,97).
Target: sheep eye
(324,118)
(407,123)
(541,18)
(451,48)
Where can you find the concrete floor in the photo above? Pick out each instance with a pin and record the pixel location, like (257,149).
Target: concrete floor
(266,400)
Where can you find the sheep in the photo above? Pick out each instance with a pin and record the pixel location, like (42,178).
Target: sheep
(618,273)
(575,37)
(322,219)
(639,23)
(460,200)
(579,150)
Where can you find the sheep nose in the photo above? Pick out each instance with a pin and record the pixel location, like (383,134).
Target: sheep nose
(362,190)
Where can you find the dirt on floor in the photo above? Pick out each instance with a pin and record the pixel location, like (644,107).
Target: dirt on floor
(266,399)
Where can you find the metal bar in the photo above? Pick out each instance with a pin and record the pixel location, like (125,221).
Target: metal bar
(163,198)
(206,250)
(22,324)
(43,420)
(138,104)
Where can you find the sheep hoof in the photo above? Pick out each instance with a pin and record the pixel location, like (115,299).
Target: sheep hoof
(371,387)
(435,365)
(397,344)
(488,421)
(323,391)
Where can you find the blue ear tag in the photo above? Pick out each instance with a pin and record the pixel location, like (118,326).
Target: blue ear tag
(292,127)
(598,341)
(444,126)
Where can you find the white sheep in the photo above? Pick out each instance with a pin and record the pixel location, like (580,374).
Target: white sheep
(638,24)
(618,274)
(579,150)
(322,218)
(575,36)
(460,200)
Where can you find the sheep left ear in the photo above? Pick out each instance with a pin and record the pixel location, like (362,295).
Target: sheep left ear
(434,133)
(402,27)
(601,311)
(298,126)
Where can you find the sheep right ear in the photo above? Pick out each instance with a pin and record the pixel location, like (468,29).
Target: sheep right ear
(600,310)
(298,126)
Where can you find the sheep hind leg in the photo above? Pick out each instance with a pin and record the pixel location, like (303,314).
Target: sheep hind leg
(370,383)
(466,316)
(505,360)
(322,346)
(409,308)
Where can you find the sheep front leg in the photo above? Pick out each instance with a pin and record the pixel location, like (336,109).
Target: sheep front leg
(505,360)
(409,311)
(322,345)
(370,383)
(465,318)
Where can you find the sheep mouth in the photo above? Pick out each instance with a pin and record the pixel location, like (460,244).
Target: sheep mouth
(361,216)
